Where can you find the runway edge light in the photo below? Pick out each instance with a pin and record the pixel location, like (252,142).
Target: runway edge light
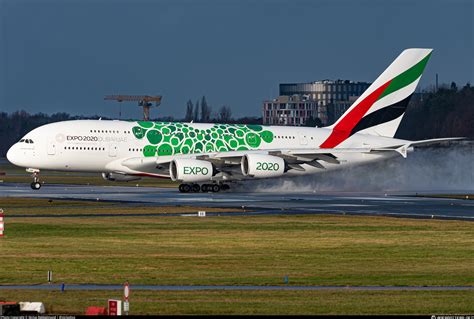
(2,223)
(126,293)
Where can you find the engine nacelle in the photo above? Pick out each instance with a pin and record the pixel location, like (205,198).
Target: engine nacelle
(262,166)
(191,170)
(114,177)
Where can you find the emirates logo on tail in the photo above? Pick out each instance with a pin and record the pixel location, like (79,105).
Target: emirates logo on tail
(380,109)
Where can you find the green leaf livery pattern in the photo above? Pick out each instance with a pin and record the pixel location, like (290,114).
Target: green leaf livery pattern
(166,138)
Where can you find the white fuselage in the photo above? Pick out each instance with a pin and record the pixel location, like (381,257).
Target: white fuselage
(102,146)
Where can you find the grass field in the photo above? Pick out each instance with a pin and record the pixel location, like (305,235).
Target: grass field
(41,206)
(216,302)
(253,250)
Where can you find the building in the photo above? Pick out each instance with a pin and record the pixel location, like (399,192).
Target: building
(332,97)
(292,110)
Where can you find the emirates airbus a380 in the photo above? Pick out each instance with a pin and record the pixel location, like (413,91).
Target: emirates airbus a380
(206,157)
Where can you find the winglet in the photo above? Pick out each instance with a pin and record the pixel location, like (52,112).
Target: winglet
(403,150)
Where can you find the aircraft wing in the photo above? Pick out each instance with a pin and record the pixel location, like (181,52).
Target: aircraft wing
(402,149)
(228,163)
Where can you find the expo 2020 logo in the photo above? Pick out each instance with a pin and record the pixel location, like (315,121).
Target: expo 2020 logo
(60,138)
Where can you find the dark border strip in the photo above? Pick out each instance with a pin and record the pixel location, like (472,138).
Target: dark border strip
(252,211)
(229,287)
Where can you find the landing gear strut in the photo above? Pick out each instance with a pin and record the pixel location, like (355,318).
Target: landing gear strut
(196,188)
(36,181)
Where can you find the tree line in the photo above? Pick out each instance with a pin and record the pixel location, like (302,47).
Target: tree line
(203,112)
(15,125)
(446,112)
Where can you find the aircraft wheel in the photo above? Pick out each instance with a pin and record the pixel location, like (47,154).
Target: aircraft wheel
(35,185)
(204,188)
(184,188)
(196,188)
(215,188)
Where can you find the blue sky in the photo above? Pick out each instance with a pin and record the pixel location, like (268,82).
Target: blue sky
(65,55)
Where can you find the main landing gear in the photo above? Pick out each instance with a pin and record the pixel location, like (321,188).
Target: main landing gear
(205,188)
(36,184)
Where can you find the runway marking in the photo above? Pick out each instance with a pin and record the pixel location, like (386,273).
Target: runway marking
(344,205)
(392,204)
(224,287)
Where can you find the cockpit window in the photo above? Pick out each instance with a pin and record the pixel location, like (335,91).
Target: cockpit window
(22,140)
(26,140)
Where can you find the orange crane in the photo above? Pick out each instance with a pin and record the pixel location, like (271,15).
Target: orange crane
(144,101)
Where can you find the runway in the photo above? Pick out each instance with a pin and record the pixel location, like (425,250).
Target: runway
(397,204)
(217,287)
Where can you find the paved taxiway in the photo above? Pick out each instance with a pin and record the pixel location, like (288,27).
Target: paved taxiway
(386,204)
(217,287)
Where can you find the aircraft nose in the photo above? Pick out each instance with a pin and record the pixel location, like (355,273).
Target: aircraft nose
(11,155)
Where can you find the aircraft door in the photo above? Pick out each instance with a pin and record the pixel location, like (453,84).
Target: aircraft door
(51,146)
(112,150)
(303,139)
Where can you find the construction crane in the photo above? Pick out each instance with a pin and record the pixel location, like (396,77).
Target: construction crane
(144,101)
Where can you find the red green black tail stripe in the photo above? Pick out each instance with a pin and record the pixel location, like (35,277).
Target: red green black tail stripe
(345,127)
(382,115)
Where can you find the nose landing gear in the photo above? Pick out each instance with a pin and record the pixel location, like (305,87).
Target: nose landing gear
(36,184)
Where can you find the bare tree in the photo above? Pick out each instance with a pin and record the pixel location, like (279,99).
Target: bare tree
(196,112)
(205,111)
(225,114)
(189,111)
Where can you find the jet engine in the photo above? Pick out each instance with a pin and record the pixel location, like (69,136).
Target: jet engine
(114,177)
(191,170)
(262,166)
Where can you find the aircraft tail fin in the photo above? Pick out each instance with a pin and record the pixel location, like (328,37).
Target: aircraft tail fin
(380,109)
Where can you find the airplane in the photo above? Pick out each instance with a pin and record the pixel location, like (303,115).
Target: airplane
(207,157)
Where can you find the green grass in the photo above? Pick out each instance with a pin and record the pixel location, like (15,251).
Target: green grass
(19,204)
(40,206)
(311,250)
(252,250)
(257,302)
